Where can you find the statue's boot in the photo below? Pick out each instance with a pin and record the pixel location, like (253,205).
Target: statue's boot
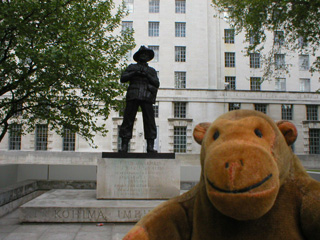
(150,145)
(124,145)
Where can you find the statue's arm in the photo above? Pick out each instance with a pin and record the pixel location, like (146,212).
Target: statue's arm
(153,78)
(128,73)
(310,211)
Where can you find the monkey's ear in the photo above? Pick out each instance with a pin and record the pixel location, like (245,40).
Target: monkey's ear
(289,131)
(200,130)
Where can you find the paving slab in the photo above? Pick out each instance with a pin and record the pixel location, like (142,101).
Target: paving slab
(23,236)
(57,236)
(3,235)
(69,205)
(93,236)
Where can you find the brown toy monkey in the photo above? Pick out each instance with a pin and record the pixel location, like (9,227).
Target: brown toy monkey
(252,186)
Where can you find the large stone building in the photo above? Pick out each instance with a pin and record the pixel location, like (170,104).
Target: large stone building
(204,72)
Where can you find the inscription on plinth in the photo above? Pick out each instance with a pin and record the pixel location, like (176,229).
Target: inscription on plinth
(103,214)
(69,205)
(138,178)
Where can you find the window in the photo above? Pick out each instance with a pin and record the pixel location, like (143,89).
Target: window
(255,83)
(180,54)
(180,109)
(304,62)
(180,29)
(41,137)
(312,112)
(180,79)
(253,38)
(17,109)
(128,55)
(278,38)
(230,59)
(230,83)
(305,85)
(180,139)
(154,6)
(279,61)
(156,109)
(127,26)
(234,106)
(229,36)
(280,84)
(302,43)
(180,6)
(15,131)
(129,5)
(287,112)
(314,141)
(254,60)
(69,140)
(261,107)
(156,53)
(153,29)
(122,106)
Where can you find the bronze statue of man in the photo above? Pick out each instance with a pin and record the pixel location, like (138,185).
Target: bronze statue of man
(142,91)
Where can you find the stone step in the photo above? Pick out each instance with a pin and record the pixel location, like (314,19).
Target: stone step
(82,206)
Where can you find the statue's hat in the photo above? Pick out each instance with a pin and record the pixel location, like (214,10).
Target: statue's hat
(146,50)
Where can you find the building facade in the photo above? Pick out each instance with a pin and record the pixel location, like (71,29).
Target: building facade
(204,72)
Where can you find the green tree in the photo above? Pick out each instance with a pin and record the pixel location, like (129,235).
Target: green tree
(299,19)
(60,62)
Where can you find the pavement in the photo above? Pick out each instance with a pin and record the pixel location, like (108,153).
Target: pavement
(12,229)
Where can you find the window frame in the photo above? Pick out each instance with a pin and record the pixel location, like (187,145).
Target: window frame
(231,80)
(180,6)
(129,4)
(156,109)
(180,109)
(278,38)
(180,29)
(154,6)
(15,133)
(41,137)
(234,106)
(69,140)
(180,139)
(314,141)
(287,111)
(312,112)
(180,79)
(261,107)
(230,59)
(304,62)
(279,61)
(229,36)
(153,29)
(127,26)
(180,53)
(305,84)
(254,60)
(156,50)
(281,84)
(255,83)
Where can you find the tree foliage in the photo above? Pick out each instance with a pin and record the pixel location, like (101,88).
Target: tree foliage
(60,63)
(299,19)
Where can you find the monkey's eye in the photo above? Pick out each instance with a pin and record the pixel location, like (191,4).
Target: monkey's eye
(216,135)
(258,133)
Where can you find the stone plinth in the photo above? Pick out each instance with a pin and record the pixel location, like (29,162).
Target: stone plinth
(138,176)
(82,206)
